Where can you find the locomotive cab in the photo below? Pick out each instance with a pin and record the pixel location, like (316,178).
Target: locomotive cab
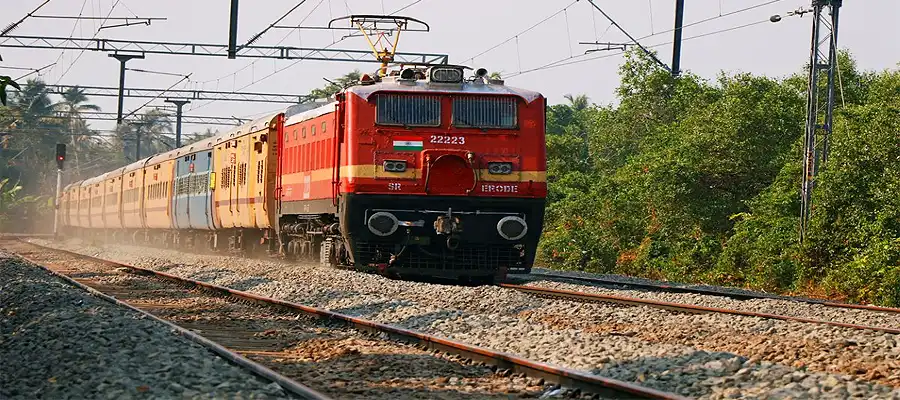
(441,175)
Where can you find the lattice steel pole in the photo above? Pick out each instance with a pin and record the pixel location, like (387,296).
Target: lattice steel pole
(823,56)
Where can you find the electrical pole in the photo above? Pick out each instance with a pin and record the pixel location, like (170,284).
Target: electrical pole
(179,104)
(676,47)
(232,30)
(123,58)
(823,57)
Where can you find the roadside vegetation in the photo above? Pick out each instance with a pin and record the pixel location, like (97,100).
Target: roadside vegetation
(697,180)
(690,180)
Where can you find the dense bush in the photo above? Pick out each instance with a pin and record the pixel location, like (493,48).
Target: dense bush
(692,180)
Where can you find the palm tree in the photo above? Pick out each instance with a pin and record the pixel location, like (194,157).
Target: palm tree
(154,128)
(33,132)
(578,103)
(33,103)
(72,105)
(198,136)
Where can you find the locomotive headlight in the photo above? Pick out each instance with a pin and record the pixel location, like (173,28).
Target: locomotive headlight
(446,75)
(383,223)
(394,166)
(512,228)
(500,168)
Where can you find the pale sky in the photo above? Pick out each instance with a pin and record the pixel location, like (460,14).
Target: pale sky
(461,28)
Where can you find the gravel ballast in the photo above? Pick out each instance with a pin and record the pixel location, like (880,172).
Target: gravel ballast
(59,342)
(706,355)
(326,356)
(770,306)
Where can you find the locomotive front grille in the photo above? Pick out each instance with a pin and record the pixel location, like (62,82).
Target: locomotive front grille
(467,258)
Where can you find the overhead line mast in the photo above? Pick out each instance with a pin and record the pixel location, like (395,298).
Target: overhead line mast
(819,106)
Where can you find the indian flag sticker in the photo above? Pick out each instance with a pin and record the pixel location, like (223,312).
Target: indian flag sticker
(408,143)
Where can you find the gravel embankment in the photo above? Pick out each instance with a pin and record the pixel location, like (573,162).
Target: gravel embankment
(706,355)
(58,342)
(770,306)
(339,362)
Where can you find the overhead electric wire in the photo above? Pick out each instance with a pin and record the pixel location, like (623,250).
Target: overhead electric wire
(571,60)
(712,18)
(93,37)
(511,38)
(91,18)
(188,76)
(36,71)
(633,40)
(263,32)
(17,68)
(155,72)
(16,24)
(407,6)
(234,74)
(300,59)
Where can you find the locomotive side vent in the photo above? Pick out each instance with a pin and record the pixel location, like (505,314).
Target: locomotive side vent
(485,112)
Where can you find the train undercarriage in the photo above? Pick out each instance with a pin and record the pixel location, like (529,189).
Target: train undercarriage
(453,238)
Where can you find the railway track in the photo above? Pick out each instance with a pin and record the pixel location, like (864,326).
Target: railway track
(678,307)
(658,287)
(248,337)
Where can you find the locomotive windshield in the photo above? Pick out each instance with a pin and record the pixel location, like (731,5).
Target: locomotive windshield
(484,112)
(407,110)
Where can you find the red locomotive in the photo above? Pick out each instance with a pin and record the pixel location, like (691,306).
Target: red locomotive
(421,172)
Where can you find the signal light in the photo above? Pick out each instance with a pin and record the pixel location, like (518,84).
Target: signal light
(60,155)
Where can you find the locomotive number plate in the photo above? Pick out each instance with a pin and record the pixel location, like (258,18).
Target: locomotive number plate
(438,139)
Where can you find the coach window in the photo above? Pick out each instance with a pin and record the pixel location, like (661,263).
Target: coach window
(303,134)
(313,130)
(324,127)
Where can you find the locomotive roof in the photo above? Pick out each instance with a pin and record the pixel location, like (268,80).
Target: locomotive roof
(250,126)
(310,114)
(427,87)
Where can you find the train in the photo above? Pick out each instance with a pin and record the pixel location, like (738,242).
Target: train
(421,172)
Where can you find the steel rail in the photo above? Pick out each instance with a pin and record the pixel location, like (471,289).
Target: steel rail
(286,383)
(680,307)
(564,376)
(713,292)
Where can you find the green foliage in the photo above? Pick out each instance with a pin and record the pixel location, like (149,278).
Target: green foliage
(693,180)
(15,209)
(337,85)
(31,126)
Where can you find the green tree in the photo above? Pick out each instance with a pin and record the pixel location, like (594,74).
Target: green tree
(73,103)
(697,180)
(337,85)
(154,129)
